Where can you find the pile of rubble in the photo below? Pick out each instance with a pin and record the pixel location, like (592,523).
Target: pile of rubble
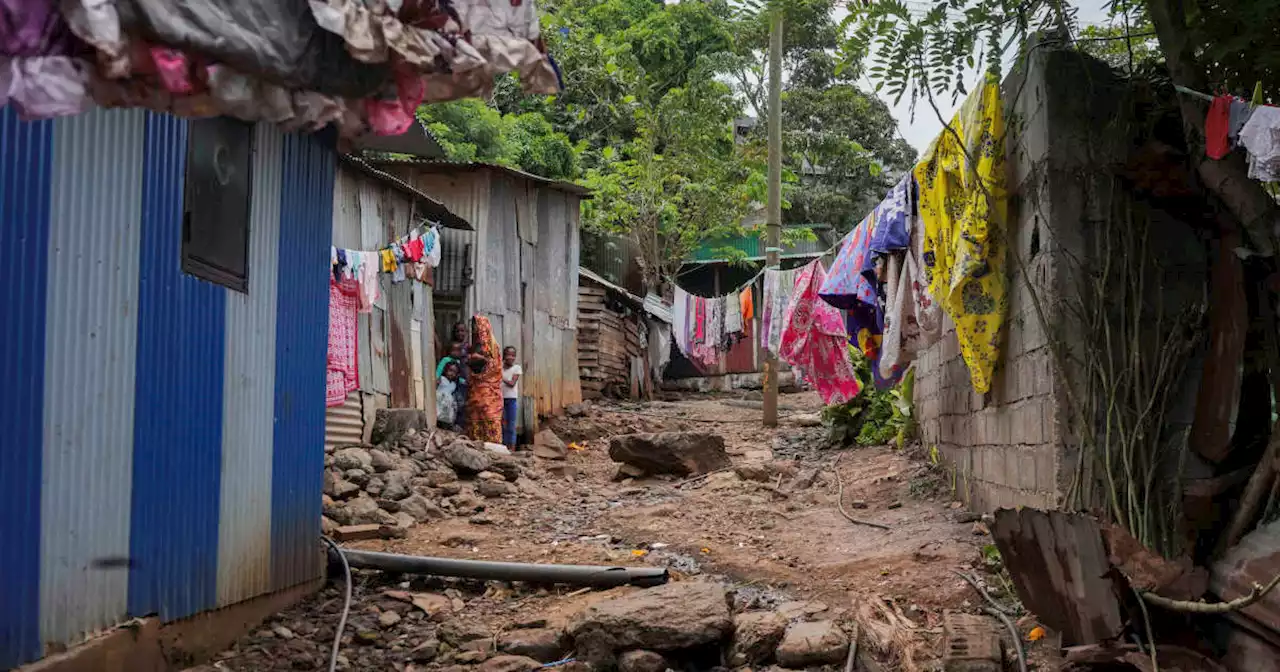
(416,474)
(421,624)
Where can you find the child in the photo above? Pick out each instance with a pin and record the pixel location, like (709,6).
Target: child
(456,356)
(510,395)
(446,399)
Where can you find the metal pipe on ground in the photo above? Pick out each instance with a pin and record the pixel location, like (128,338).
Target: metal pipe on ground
(578,575)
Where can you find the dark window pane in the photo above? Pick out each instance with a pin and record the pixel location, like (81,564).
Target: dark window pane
(216,227)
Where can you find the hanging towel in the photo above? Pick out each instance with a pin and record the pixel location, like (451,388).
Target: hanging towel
(680,320)
(732,309)
(1217,123)
(964,248)
(814,340)
(367,272)
(342,376)
(778,286)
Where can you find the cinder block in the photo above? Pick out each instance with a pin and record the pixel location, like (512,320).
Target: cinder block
(1026,470)
(1046,469)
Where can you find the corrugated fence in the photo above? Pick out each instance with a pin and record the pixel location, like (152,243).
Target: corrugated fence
(165,435)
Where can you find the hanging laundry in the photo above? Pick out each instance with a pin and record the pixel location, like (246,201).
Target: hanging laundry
(912,319)
(891,230)
(38,73)
(850,288)
(368,273)
(964,243)
(1217,123)
(414,249)
(343,375)
(778,288)
(1261,136)
(680,320)
(431,239)
(1236,119)
(814,340)
(732,309)
(745,304)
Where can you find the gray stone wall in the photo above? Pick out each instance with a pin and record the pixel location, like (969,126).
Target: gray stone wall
(1011,447)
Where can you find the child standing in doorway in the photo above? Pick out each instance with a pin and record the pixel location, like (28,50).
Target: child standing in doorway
(446,396)
(511,373)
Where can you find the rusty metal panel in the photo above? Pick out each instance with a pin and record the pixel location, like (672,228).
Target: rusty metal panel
(89,370)
(1254,561)
(1219,395)
(249,381)
(741,357)
(344,424)
(1060,568)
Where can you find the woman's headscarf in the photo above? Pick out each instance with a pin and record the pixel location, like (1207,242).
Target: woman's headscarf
(484,391)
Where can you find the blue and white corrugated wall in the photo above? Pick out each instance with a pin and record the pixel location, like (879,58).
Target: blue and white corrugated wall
(164,436)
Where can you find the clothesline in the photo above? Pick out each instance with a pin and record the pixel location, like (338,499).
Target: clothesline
(752,280)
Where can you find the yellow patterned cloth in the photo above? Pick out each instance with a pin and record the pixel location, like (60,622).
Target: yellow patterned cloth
(964,242)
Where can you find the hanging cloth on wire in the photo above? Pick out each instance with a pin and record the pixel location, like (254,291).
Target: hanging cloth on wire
(778,286)
(964,244)
(342,371)
(814,340)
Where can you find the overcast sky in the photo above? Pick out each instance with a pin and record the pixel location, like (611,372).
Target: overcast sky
(921,130)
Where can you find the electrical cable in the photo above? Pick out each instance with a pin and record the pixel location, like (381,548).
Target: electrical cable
(346,605)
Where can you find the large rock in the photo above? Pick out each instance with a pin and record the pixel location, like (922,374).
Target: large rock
(667,618)
(495,488)
(396,487)
(510,664)
(381,461)
(420,508)
(813,643)
(542,644)
(642,661)
(466,460)
(679,453)
(549,446)
(353,458)
(508,468)
(360,510)
(391,424)
(755,636)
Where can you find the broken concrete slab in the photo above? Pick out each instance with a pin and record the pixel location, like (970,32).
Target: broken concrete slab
(363,532)
(678,453)
(813,643)
(667,618)
(971,643)
(466,460)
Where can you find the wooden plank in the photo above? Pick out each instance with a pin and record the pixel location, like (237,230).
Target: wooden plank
(1061,571)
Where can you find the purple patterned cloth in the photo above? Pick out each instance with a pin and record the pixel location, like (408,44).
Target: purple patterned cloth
(890,233)
(845,286)
(39,73)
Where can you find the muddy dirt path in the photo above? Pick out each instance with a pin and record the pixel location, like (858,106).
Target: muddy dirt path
(772,532)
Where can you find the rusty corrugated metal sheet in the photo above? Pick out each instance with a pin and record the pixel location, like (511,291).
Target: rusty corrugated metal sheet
(741,357)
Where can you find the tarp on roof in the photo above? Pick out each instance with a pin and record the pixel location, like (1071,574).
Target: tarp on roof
(279,40)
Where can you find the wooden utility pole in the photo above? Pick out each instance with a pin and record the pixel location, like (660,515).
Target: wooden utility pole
(772,248)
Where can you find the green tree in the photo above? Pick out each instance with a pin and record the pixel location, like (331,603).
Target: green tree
(471,130)
(841,143)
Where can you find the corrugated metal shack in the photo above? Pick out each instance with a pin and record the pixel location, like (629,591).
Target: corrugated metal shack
(519,267)
(396,350)
(613,340)
(164,360)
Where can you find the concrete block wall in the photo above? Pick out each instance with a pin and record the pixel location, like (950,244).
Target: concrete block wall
(1011,447)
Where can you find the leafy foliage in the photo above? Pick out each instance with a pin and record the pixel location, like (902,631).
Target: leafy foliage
(470,130)
(874,417)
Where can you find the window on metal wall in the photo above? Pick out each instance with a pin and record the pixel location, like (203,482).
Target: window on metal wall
(215,223)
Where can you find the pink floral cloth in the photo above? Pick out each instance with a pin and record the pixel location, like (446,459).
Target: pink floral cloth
(814,340)
(343,372)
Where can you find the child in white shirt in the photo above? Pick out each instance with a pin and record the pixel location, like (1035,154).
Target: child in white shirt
(511,373)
